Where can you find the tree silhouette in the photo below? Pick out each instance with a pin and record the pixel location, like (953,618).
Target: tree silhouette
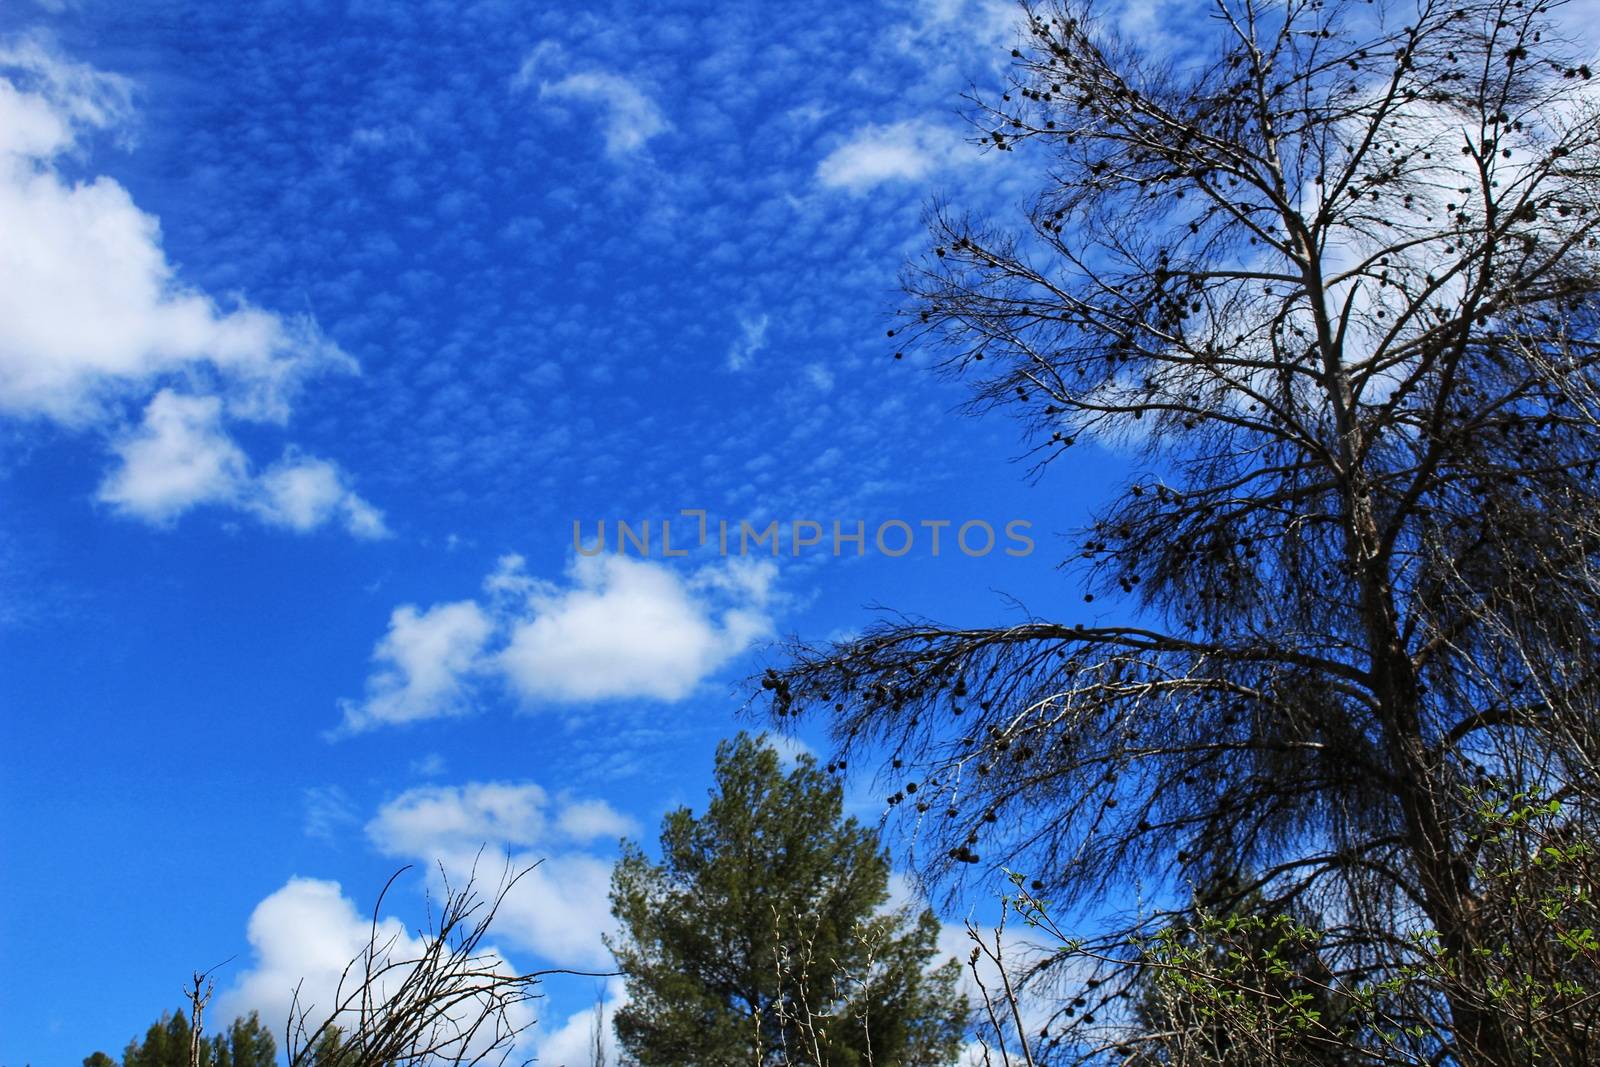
(1335,282)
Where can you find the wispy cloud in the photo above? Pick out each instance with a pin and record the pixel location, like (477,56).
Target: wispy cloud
(752,339)
(628,117)
(328,812)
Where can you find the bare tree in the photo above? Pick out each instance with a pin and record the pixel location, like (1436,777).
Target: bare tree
(1333,276)
(198,996)
(455,1001)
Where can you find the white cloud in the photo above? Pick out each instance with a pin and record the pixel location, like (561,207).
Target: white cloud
(1023,950)
(752,339)
(789,748)
(428,766)
(304,935)
(92,316)
(948,31)
(630,628)
(629,116)
(572,1043)
(39,123)
(590,820)
(903,151)
(616,628)
(180,458)
(303,493)
(560,907)
(328,810)
(91,308)
(307,930)
(424,661)
(429,820)
(177,459)
(541,60)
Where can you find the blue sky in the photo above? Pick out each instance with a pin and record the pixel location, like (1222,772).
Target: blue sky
(320,325)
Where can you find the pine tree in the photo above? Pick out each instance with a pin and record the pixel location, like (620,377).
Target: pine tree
(247,1043)
(762,935)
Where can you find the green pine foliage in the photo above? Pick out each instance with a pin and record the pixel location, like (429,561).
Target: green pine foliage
(246,1043)
(762,935)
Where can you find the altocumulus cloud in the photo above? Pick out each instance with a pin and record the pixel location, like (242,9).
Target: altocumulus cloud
(615,628)
(92,317)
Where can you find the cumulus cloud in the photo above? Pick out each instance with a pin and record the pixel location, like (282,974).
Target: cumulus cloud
(560,907)
(903,151)
(433,819)
(304,492)
(92,316)
(625,628)
(628,116)
(571,1044)
(180,457)
(305,934)
(615,628)
(429,821)
(91,308)
(423,665)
